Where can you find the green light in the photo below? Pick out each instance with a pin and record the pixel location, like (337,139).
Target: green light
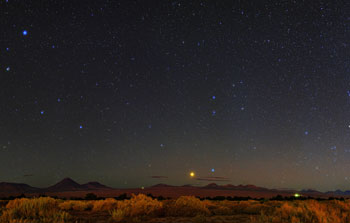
(297,195)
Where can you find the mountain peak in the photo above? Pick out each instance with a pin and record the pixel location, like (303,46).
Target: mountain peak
(212,185)
(94,185)
(67,184)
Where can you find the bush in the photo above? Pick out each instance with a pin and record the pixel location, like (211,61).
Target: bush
(310,211)
(90,196)
(34,210)
(76,205)
(188,206)
(105,205)
(137,207)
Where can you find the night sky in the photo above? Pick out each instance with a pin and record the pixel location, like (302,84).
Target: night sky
(135,93)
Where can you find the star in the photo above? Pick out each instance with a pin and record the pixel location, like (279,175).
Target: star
(8,69)
(58,99)
(80,126)
(42,112)
(213,170)
(306,133)
(213,97)
(213,113)
(25,32)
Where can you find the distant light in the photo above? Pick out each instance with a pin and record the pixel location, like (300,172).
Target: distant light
(53,46)
(142,188)
(58,99)
(149,126)
(213,97)
(80,126)
(24,32)
(7,49)
(42,112)
(306,133)
(8,69)
(297,195)
(192,174)
(161,145)
(213,170)
(213,113)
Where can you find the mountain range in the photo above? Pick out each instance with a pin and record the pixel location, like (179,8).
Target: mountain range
(69,188)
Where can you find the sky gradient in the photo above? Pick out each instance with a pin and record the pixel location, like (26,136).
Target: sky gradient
(120,92)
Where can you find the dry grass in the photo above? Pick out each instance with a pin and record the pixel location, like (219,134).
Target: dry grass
(137,208)
(310,211)
(187,206)
(33,210)
(104,205)
(76,205)
(141,208)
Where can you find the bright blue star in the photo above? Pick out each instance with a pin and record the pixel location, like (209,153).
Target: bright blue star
(306,133)
(58,99)
(8,69)
(80,126)
(7,49)
(24,32)
(213,97)
(213,170)
(213,113)
(42,112)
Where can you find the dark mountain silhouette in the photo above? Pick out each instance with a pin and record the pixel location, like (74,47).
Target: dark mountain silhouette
(17,188)
(339,192)
(94,185)
(68,187)
(67,184)
(162,185)
(211,186)
(233,187)
(310,191)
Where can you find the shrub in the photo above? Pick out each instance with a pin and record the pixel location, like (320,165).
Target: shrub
(188,206)
(33,210)
(105,205)
(76,205)
(90,196)
(137,207)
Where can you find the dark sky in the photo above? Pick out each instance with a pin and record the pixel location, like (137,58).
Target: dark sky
(255,92)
